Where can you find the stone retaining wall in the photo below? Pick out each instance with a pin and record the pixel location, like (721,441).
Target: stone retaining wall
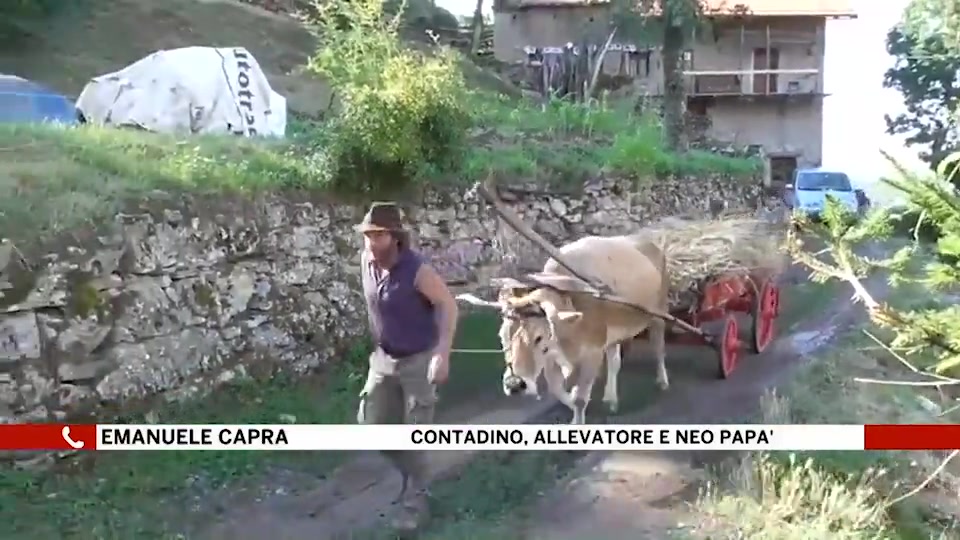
(192,292)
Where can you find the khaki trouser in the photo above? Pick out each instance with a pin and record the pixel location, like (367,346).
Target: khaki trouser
(398,391)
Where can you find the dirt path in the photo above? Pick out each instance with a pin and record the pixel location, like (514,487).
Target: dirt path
(645,495)
(358,495)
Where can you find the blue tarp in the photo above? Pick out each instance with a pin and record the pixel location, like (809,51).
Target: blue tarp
(26,101)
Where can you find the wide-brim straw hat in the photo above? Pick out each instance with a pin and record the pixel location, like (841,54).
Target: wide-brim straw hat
(382,216)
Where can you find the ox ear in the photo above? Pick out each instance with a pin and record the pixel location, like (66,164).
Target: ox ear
(569,316)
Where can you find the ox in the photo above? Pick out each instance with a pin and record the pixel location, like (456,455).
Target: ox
(552,326)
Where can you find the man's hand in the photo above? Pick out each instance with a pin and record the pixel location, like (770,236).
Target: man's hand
(439,368)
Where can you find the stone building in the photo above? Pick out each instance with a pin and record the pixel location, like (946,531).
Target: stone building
(754,75)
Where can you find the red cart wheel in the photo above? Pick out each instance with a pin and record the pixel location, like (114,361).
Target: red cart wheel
(766,307)
(729,347)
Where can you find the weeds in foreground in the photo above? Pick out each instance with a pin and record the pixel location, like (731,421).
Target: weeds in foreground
(774,496)
(847,495)
(796,499)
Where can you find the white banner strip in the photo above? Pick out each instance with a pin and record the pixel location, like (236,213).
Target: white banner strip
(479,437)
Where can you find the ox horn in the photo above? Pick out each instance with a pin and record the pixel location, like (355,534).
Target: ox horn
(488,190)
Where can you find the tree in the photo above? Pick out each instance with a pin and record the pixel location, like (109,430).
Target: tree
(926,54)
(934,18)
(926,338)
(671,24)
(680,20)
(926,47)
(932,329)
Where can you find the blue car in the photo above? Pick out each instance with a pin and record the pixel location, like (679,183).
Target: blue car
(23,101)
(810,187)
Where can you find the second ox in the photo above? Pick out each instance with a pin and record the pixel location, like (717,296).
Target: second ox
(553,325)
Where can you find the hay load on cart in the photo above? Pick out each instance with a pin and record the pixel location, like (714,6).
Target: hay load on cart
(719,268)
(700,250)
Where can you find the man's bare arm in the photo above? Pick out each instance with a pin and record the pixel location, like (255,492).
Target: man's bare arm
(431,285)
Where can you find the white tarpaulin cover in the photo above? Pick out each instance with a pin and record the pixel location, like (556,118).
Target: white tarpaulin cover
(193,90)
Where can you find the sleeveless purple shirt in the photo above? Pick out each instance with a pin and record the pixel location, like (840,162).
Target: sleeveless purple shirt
(402,320)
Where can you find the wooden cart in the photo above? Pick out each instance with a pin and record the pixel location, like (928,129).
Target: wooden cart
(722,298)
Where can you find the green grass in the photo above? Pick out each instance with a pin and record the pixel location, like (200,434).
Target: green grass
(564,142)
(54,179)
(146,495)
(475,374)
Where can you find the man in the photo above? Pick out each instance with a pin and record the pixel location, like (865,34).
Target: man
(413,318)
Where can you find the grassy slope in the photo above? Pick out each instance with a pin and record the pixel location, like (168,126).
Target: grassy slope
(52,179)
(90,37)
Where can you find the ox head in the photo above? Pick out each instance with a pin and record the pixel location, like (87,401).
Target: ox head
(532,318)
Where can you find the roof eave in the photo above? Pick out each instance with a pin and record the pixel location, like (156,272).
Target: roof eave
(554,4)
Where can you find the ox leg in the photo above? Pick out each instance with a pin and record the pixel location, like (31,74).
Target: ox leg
(556,384)
(581,392)
(656,333)
(614,357)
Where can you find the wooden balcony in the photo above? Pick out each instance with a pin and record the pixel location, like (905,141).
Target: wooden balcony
(757,82)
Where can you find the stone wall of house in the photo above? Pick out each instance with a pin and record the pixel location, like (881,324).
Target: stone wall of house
(186,293)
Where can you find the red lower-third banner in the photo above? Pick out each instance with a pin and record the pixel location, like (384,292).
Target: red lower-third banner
(911,437)
(119,437)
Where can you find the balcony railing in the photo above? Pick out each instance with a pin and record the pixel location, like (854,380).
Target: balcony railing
(754,82)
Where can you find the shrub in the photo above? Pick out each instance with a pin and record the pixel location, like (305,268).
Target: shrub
(402,113)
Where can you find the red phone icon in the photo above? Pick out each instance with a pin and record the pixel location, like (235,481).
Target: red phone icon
(66,436)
